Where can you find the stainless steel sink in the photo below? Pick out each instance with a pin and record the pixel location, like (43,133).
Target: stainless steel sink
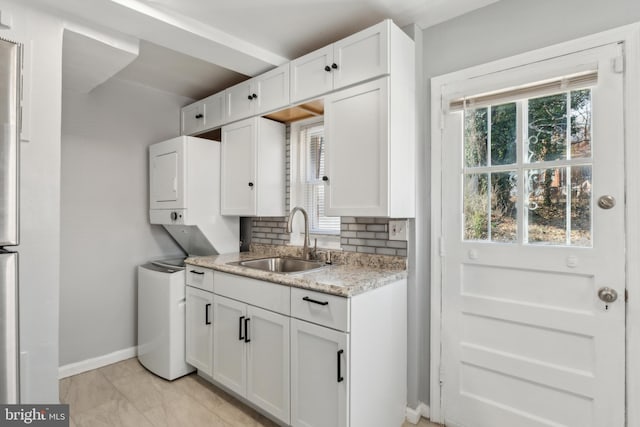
(280,264)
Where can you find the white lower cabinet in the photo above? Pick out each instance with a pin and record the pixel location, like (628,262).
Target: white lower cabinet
(349,358)
(305,358)
(199,329)
(251,354)
(319,376)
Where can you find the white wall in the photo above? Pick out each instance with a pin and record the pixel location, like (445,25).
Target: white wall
(504,29)
(105,223)
(39,204)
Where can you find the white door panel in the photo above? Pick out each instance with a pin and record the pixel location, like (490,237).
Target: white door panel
(526,340)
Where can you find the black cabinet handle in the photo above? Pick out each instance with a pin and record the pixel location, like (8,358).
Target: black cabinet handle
(249,97)
(325,178)
(201,273)
(254,96)
(327,68)
(334,66)
(199,116)
(246,330)
(307,299)
(240,337)
(340,377)
(251,184)
(207,321)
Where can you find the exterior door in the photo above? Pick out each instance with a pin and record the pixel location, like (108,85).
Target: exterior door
(534,245)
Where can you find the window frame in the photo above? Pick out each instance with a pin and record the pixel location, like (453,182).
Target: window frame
(298,183)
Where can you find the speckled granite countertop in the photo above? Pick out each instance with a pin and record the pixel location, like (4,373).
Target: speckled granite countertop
(344,280)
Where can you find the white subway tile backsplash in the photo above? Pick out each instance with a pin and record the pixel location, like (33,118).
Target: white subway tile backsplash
(364,235)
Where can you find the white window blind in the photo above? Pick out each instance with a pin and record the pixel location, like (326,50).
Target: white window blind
(312,138)
(538,89)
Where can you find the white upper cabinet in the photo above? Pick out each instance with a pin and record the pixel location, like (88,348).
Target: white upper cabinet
(373,122)
(357,58)
(214,111)
(253,168)
(192,118)
(272,89)
(239,101)
(203,115)
(311,74)
(264,93)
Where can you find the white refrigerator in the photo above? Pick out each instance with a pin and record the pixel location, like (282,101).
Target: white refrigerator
(10,66)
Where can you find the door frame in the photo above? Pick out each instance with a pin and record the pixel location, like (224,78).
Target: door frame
(630,36)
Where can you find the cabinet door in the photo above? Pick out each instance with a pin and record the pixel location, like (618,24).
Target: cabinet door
(238,168)
(239,102)
(319,376)
(166,174)
(229,347)
(272,90)
(199,329)
(214,110)
(268,362)
(356,129)
(361,56)
(192,118)
(309,77)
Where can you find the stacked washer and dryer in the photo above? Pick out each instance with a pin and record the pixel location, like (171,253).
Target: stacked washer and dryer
(184,197)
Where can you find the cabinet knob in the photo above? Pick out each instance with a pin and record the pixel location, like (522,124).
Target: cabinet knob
(325,178)
(327,68)
(334,66)
(249,97)
(199,116)
(251,184)
(254,96)
(174,216)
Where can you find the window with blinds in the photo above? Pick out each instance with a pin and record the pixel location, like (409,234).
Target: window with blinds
(312,139)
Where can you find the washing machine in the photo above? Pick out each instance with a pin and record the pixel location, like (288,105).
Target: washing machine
(161,318)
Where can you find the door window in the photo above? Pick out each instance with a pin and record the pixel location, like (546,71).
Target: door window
(527,168)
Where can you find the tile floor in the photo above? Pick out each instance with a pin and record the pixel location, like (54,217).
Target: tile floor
(126,394)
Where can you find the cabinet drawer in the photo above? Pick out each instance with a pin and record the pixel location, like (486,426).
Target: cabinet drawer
(199,277)
(263,294)
(323,309)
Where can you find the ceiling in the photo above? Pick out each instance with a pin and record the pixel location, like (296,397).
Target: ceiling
(195,48)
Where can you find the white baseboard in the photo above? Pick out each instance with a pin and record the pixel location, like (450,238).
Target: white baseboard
(414,415)
(96,362)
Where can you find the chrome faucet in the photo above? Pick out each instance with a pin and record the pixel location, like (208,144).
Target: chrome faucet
(306,253)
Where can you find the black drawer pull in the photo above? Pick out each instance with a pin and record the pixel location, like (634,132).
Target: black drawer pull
(246,330)
(207,321)
(340,377)
(307,299)
(199,116)
(240,337)
(201,273)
